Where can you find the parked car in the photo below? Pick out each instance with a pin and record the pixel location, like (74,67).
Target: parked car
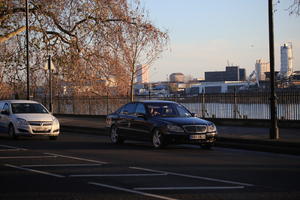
(162,122)
(27,118)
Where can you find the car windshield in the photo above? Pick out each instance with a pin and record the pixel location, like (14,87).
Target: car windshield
(167,110)
(27,108)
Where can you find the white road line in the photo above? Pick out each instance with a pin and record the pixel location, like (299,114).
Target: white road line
(63,165)
(195,177)
(36,171)
(192,188)
(11,147)
(131,191)
(114,175)
(76,158)
(26,157)
(11,150)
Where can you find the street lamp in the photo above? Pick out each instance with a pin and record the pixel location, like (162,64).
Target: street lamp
(50,67)
(27,50)
(274,132)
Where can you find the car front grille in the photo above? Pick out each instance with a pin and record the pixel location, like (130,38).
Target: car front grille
(40,123)
(41,131)
(195,128)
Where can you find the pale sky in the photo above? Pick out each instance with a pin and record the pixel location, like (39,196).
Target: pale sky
(206,34)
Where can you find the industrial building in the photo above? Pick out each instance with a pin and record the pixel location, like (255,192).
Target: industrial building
(176,77)
(286,56)
(142,74)
(261,68)
(216,87)
(232,73)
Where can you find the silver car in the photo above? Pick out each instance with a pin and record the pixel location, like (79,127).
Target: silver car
(27,118)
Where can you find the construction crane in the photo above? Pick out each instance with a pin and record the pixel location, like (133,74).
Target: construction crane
(249,80)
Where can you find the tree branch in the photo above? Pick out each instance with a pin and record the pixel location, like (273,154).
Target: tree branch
(12,34)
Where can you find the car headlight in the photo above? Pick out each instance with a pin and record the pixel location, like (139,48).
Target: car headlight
(55,121)
(174,128)
(211,128)
(21,122)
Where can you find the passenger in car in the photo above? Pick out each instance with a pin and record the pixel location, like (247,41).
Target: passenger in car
(153,112)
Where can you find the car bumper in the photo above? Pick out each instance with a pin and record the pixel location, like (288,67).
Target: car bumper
(37,131)
(190,139)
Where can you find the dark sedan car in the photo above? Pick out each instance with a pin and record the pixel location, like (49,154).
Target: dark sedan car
(162,122)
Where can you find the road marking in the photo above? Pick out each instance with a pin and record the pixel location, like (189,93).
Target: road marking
(36,171)
(63,165)
(115,175)
(195,177)
(12,150)
(192,188)
(132,191)
(26,157)
(76,158)
(12,147)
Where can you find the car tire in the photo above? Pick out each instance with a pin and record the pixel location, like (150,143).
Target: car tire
(206,146)
(114,136)
(52,137)
(158,140)
(11,132)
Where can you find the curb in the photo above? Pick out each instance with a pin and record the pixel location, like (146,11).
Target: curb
(281,147)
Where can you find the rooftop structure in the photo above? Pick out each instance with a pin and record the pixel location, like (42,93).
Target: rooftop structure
(232,73)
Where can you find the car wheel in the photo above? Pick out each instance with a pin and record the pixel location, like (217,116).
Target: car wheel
(114,136)
(206,146)
(52,137)
(158,140)
(11,132)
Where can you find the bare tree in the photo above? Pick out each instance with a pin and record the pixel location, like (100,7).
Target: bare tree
(84,38)
(140,43)
(294,8)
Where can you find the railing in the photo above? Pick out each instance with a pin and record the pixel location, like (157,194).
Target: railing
(226,105)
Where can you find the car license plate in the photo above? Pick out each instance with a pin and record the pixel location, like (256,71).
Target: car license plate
(41,129)
(197,137)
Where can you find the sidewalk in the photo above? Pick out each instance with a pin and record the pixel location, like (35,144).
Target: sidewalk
(256,138)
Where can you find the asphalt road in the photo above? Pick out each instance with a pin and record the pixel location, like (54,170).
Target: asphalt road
(85,167)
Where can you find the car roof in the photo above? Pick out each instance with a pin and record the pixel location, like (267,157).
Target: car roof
(155,101)
(19,101)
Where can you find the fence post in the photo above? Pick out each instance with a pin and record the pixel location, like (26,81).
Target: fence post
(90,109)
(107,100)
(74,107)
(235,104)
(203,104)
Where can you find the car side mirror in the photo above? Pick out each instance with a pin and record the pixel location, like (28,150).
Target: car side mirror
(4,112)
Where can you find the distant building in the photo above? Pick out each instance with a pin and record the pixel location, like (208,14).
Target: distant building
(232,73)
(261,68)
(286,56)
(296,75)
(177,77)
(142,74)
(242,72)
(216,87)
(214,76)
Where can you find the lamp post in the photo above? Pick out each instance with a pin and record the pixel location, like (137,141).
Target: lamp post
(50,70)
(274,132)
(27,50)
